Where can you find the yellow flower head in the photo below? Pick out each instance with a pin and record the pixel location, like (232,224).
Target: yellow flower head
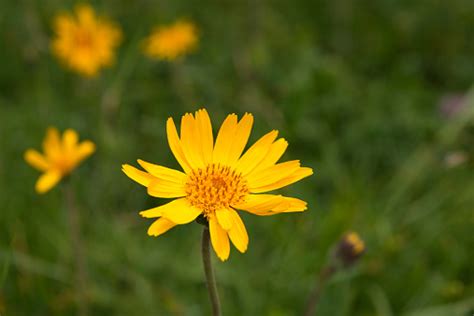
(61,156)
(171,42)
(218,179)
(85,42)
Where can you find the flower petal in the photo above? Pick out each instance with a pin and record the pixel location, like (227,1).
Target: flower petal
(277,149)
(175,145)
(36,160)
(224,217)
(224,140)
(272,174)
(47,181)
(137,175)
(269,204)
(164,173)
(290,204)
(70,139)
(204,127)
(178,211)
(63,25)
(256,153)
(242,133)
(191,141)
(152,212)
(238,234)
(165,189)
(160,226)
(219,239)
(296,176)
(85,15)
(84,150)
(51,143)
(259,204)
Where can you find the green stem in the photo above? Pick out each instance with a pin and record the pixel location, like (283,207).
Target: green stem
(313,299)
(80,274)
(210,278)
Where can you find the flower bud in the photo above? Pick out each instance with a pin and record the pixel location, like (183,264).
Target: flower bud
(350,248)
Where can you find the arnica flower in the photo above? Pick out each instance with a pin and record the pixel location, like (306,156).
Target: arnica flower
(61,156)
(218,179)
(85,42)
(171,42)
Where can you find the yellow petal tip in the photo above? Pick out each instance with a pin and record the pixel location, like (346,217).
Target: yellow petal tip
(223,259)
(243,250)
(40,191)
(92,144)
(152,234)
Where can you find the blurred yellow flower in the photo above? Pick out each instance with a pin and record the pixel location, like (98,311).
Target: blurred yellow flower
(85,42)
(218,179)
(171,42)
(61,156)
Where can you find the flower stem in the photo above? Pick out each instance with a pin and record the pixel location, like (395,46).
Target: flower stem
(210,279)
(80,275)
(323,277)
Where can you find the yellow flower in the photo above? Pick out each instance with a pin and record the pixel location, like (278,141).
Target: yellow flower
(218,179)
(61,156)
(171,42)
(85,42)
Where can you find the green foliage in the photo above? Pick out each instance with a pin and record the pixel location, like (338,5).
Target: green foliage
(353,86)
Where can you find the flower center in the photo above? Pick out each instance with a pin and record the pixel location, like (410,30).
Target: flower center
(215,187)
(83,39)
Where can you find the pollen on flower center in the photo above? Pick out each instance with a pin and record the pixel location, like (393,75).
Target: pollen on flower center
(215,187)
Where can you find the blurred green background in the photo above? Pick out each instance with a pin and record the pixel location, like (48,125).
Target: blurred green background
(355,87)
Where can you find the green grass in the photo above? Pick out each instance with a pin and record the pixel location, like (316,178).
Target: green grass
(354,88)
